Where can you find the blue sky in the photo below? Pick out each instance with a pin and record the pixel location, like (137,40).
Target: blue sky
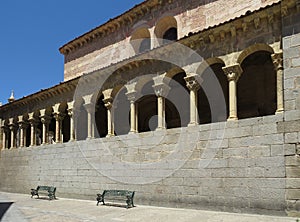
(31,32)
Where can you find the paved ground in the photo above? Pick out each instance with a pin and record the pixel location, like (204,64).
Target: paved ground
(22,208)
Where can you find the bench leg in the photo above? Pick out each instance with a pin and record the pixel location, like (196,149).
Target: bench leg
(99,199)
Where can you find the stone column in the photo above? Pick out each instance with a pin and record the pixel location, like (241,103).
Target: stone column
(4,130)
(108,102)
(12,128)
(193,85)
(278,65)
(132,96)
(161,90)
(233,73)
(89,108)
(22,125)
(33,124)
(58,126)
(45,121)
(72,128)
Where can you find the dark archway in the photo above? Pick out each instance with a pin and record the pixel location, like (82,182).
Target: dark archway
(178,102)
(256,93)
(101,118)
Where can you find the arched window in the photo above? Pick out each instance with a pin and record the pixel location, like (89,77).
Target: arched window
(170,35)
(166,30)
(256,94)
(101,118)
(140,40)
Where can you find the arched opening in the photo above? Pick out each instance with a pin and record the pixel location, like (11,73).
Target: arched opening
(256,93)
(101,117)
(65,131)
(39,132)
(177,102)
(170,35)
(27,135)
(166,30)
(140,40)
(81,122)
(51,132)
(121,113)
(213,94)
(147,109)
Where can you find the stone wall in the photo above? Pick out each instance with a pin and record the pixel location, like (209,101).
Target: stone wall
(291,125)
(235,166)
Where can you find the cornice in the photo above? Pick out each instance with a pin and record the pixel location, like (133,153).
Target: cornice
(129,17)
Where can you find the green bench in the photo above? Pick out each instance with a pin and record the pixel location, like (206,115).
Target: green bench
(117,195)
(50,190)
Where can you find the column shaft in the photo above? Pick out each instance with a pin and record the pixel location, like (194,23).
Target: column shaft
(161,112)
(21,136)
(3,139)
(232,100)
(280,102)
(132,117)
(32,134)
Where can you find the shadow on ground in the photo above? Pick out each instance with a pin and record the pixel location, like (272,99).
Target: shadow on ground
(4,207)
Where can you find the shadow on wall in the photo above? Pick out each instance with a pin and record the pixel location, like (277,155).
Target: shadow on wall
(4,207)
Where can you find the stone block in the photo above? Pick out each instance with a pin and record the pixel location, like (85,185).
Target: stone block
(286,43)
(289,149)
(292,160)
(235,152)
(294,40)
(295,62)
(289,83)
(259,151)
(291,53)
(293,183)
(292,115)
(277,150)
(293,194)
(293,172)
(291,137)
(291,73)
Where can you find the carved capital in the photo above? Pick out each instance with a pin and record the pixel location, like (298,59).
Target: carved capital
(132,96)
(277,61)
(23,125)
(108,102)
(161,90)
(90,107)
(192,82)
(58,116)
(45,119)
(233,73)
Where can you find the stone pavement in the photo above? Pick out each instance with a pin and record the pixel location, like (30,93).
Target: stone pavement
(63,210)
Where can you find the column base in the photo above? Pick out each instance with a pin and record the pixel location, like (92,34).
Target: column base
(193,124)
(109,135)
(232,119)
(279,111)
(160,128)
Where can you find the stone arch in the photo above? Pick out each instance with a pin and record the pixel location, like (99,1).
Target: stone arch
(166,29)
(147,107)
(256,88)
(208,97)
(65,131)
(100,116)
(140,40)
(120,110)
(252,49)
(80,118)
(177,100)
